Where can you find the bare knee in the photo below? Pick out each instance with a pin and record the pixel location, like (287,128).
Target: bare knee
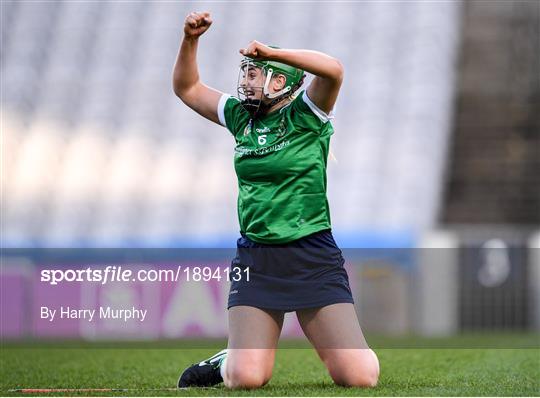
(246,377)
(355,370)
(366,379)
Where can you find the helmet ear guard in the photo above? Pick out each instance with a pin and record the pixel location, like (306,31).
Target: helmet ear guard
(277,94)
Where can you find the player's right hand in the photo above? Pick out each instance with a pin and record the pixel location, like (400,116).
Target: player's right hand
(196,24)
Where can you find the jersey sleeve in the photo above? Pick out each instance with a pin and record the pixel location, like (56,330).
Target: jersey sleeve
(231,114)
(308,114)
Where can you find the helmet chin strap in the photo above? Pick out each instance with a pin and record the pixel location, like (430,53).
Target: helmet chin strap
(255,106)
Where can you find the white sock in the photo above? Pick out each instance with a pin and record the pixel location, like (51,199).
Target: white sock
(222,368)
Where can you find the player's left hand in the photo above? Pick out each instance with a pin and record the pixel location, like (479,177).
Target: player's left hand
(257,50)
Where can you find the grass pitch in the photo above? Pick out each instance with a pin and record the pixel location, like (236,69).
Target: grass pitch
(143,368)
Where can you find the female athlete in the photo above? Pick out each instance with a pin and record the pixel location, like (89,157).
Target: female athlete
(282,137)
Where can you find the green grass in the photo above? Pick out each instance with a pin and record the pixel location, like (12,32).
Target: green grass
(404,371)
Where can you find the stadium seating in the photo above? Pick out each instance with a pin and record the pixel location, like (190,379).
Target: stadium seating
(98,150)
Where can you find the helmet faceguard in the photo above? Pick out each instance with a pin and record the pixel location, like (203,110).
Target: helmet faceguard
(294,78)
(253,105)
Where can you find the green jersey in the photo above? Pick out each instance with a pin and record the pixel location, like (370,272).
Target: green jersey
(280,161)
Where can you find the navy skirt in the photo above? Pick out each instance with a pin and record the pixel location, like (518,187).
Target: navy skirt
(305,273)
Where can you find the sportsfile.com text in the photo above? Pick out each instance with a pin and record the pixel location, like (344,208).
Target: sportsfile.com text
(113,273)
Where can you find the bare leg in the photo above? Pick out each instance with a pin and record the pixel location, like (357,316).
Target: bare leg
(253,339)
(335,333)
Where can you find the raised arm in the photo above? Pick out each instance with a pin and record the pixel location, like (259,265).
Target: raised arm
(186,82)
(328,71)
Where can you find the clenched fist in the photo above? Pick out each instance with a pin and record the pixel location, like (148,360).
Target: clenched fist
(257,51)
(196,24)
